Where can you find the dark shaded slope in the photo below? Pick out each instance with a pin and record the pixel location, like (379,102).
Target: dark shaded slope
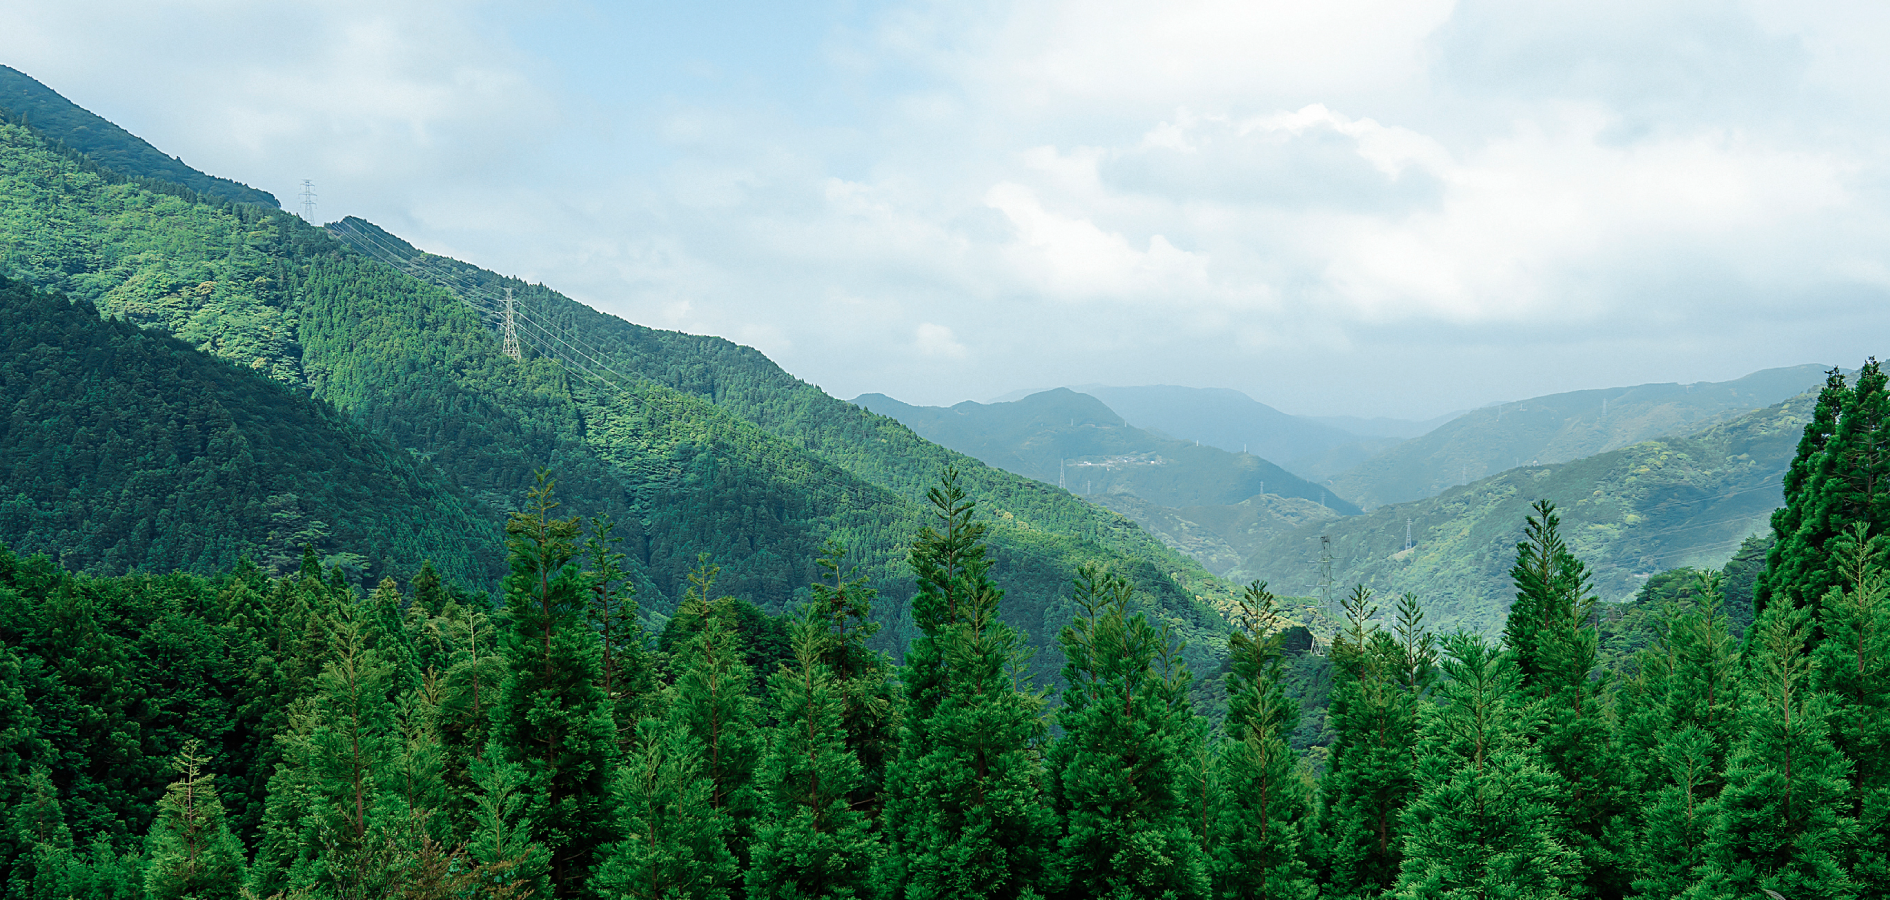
(1629,513)
(60,119)
(125,449)
(1558,428)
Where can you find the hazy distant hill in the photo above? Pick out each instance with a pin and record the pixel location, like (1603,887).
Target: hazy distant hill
(1629,513)
(24,99)
(1213,505)
(1220,417)
(1558,428)
(1061,436)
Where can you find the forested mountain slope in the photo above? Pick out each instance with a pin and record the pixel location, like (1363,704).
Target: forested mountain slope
(1558,428)
(1629,513)
(1235,422)
(25,100)
(1211,504)
(697,446)
(126,449)
(1062,435)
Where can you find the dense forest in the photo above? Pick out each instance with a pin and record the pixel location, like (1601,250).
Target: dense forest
(168,736)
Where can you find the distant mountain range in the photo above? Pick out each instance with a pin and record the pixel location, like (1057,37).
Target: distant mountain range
(1558,428)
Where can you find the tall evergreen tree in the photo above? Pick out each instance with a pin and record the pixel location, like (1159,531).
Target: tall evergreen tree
(862,675)
(192,854)
(629,674)
(812,842)
(507,862)
(965,810)
(711,702)
(1485,821)
(550,716)
(1378,683)
(1780,824)
(1845,460)
(674,844)
(1261,822)
(1119,771)
(1853,669)
(1554,631)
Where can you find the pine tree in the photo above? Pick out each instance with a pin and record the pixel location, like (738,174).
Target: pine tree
(387,633)
(1779,825)
(1679,720)
(812,842)
(629,674)
(550,716)
(1793,553)
(710,701)
(862,675)
(1261,823)
(1119,771)
(1484,821)
(191,852)
(1846,481)
(1554,630)
(674,844)
(507,863)
(1853,669)
(964,811)
(1379,681)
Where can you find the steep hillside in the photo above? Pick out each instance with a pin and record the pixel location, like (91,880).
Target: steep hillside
(1210,504)
(1061,436)
(125,449)
(23,99)
(1629,513)
(694,444)
(1558,428)
(1223,418)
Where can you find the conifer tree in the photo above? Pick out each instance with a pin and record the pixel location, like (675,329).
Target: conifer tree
(1679,712)
(1853,669)
(964,811)
(550,716)
(387,633)
(1846,481)
(192,854)
(1779,824)
(674,844)
(1554,631)
(862,676)
(507,863)
(1484,822)
(711,702)
(1119,771)
(1261,823)
(1378,683)
(629,674)
(812,842)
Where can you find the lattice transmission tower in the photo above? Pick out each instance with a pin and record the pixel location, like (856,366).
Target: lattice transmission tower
(511,326)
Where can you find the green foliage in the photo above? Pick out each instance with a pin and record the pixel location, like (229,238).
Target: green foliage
(812,842)
(1853,670)
(1258,838)
(190,851)
(965,811)
(674,838)
(1484,822)
(1119,771)
(551,718)
(711,702)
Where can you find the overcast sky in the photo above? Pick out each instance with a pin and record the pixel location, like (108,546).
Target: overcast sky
(1368,207)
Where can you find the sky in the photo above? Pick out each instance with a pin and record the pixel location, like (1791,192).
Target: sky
(1351,207)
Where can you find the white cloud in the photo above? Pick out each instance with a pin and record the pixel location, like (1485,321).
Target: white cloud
(937,342)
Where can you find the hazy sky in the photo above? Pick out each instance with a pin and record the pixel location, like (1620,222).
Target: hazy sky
(1346,206)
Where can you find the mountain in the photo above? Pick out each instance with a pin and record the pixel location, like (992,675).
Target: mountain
(1220,417)
(1628,513)
(1064,437)
(693,444)
(1558,428)
(1381,426)
(127,449)
(25,100)
(1213,505)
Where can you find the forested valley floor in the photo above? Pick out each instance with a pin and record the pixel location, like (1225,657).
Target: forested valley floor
(166,736)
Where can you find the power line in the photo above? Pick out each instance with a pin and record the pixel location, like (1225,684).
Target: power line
(308,201)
